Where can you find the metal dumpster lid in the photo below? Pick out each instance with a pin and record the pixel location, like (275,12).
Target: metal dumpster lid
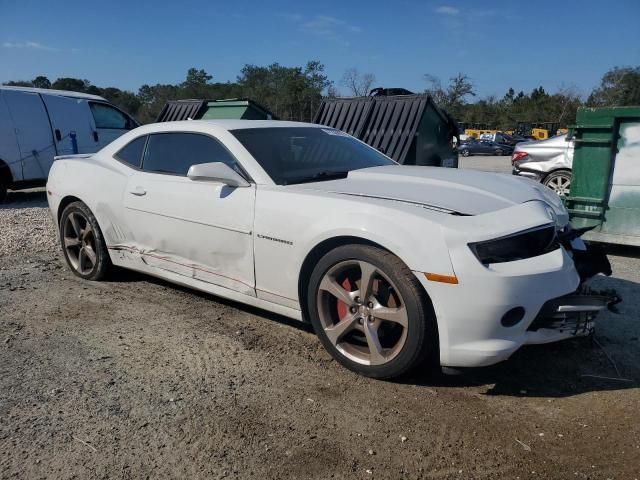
(387,123)
(175,110)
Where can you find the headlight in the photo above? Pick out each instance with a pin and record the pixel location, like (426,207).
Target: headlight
(518,246)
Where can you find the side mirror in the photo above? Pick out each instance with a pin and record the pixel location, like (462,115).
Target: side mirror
(217,172)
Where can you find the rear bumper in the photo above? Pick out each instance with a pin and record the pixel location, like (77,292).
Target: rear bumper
(532,174)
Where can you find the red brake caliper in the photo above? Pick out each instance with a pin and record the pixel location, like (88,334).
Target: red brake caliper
(342,307)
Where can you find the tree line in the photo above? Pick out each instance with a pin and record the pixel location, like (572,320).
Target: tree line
(295,93)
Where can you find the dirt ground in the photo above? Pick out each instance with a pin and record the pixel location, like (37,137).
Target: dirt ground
(137,378)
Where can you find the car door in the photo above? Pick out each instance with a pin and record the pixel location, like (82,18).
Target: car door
(70,115)
(196,229)
(9,149)
(33,132)
(108,123)
(486,147)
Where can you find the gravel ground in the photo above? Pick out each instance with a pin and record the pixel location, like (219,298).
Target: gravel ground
(25,224)
(137,378)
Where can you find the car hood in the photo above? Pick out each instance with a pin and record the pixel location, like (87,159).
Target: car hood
(467,192)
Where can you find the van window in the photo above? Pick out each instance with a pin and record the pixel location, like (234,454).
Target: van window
(175,152)
(106,116)
(131,153)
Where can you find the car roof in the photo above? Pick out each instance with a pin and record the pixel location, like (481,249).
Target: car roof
(49,91)
(225,125)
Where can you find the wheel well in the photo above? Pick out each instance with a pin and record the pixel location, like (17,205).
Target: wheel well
(63,204)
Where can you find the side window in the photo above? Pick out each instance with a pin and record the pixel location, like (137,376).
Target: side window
(176,152)
(131,153)
(106,116)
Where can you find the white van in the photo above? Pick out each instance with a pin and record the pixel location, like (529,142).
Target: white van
(38,124)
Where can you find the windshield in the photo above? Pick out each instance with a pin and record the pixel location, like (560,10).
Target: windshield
(306,154)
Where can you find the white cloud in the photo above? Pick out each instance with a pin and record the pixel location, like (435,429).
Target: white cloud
(447,10)
(323,25)
(30,45)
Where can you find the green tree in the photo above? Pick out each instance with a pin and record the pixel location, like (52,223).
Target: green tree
(291,93)
(18,83)
(71,84)
(620,86)
(41,82)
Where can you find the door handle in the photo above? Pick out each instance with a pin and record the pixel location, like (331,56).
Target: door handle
(58,135)
(138,191)
(95,136)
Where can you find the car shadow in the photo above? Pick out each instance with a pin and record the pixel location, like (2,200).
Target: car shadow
(562,369)
(607,361)
(121,275)
(25,199)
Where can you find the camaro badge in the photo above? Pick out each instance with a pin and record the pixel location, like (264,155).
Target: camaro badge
(287,242)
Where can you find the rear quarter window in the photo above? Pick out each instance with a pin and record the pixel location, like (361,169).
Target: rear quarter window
(131,153)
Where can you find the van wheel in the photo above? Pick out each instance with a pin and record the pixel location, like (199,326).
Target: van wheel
(370,312)
(4,181)
(82,242)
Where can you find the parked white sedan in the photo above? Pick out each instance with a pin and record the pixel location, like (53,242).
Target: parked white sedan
(391,264)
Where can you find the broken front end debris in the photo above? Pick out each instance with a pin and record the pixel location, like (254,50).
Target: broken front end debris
(574,314)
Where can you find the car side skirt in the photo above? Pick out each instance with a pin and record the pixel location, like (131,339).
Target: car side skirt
(217,290)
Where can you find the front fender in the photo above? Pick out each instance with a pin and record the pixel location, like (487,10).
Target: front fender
(289,225)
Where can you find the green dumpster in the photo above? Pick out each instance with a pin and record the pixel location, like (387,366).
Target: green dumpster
(234,108)
(605,185)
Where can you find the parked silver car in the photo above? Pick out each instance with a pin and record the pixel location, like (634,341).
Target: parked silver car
(547,161)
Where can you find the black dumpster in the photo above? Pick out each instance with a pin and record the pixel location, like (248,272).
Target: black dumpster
(411,129)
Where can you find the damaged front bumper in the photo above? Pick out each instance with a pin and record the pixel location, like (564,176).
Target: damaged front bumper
(574,315)
(571,315)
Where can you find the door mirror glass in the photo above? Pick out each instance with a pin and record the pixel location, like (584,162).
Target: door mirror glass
(217,172)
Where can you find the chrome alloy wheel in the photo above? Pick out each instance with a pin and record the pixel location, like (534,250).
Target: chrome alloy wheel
(362,312)
(79,243)
(559,183)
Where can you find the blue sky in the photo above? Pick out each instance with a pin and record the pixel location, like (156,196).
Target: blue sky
(499,44)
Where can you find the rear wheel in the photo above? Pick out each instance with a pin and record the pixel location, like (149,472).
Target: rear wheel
(499,152)
(465,152)
(82,242)
(559,181)
(370,312)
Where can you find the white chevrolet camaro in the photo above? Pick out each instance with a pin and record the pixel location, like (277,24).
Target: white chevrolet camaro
(394,266)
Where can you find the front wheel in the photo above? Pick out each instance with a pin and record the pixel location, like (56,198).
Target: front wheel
(499,152)
(370,312)
(465,153)
(82,242)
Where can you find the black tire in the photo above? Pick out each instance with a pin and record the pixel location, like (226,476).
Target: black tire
(420,345)
(499,152)
(5,178)
(465,152)
(559,181)
(102,263)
